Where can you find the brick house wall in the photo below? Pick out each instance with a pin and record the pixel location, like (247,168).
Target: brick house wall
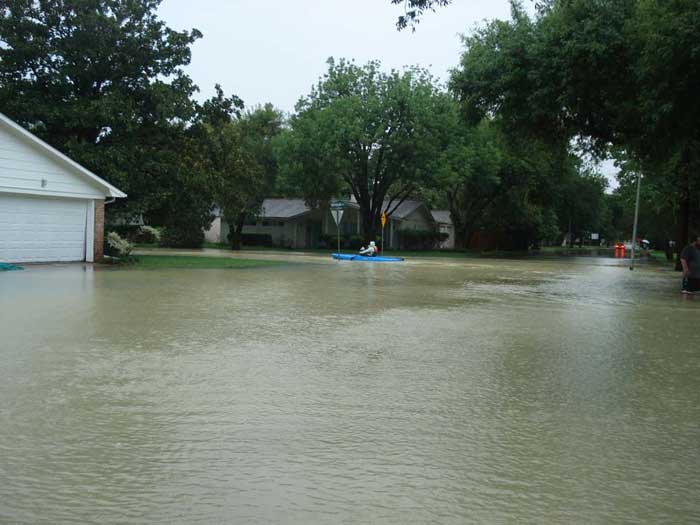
(99,229)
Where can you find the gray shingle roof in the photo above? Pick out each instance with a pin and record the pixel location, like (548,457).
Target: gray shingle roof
(442,216)
(283,208)
(405,209)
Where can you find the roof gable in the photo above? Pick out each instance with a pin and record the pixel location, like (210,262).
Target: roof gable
(34,176)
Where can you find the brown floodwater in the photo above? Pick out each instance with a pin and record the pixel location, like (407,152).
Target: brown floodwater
(557,390)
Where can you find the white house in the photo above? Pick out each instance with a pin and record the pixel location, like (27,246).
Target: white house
(444,222)
(51,208)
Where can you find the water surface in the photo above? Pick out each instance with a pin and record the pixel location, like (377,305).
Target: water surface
(428,391)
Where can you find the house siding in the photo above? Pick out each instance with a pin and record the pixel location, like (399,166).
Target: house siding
(25,168)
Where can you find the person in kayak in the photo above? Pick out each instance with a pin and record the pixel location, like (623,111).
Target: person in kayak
(369,251)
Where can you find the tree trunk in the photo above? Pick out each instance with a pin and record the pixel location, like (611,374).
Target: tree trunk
(684,215)
(236,234)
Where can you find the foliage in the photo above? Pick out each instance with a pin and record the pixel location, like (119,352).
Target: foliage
(414,9)
(149,235)
(256,239)
(182,234)
(362,131)
(421,239)
(238,154)
(610,73)
(118,246)
(103,82)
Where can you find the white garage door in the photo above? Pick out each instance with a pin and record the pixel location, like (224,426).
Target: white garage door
(41,229)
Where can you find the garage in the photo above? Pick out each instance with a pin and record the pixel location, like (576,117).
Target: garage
(51,208)
(43,229)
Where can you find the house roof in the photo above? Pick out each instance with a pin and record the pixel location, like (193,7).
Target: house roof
(442,216)
(110,191)
(404,209)
(283,208)
(289,208)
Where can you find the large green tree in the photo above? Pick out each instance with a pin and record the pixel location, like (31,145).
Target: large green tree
(368,133)
(102,81)
(606,73)
(244,156)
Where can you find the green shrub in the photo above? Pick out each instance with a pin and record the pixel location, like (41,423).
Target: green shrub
(125,231)
(256,239)
(182,236)
(421,239)
(148,235)
(118,247)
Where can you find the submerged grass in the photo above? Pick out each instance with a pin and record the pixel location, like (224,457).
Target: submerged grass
(196,262)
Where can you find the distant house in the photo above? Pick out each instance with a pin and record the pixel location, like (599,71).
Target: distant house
(409,216)
(291,223)
(444,222)
(51,208)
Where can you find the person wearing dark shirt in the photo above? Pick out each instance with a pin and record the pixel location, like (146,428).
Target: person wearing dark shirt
(690,261)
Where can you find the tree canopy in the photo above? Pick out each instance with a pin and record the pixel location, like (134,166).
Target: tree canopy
(608,74)
(363,132)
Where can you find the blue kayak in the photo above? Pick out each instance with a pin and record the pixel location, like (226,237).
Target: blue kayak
(376,258)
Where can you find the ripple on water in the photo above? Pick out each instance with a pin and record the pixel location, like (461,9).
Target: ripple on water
(479,391)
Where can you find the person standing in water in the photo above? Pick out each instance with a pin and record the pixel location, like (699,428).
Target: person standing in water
(690,261)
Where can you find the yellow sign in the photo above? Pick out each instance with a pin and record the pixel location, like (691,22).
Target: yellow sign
(383,219)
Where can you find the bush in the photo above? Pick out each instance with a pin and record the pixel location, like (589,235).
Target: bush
(182,236)
(148,235)
(118,247)
(256,239)
(126,231)
(421,239)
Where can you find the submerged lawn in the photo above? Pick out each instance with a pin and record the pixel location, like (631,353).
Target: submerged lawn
(196,262)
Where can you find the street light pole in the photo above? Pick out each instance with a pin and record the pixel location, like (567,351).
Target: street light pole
(636,217)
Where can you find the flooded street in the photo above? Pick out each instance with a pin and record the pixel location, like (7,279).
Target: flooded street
(435,390)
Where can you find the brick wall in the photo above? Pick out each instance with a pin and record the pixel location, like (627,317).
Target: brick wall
(99,229)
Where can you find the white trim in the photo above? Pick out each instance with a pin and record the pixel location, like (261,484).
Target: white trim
(111,191)
(90,232)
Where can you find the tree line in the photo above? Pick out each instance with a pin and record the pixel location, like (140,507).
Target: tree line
(501,147)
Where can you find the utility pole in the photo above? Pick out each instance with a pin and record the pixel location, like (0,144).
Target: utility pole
(636,217)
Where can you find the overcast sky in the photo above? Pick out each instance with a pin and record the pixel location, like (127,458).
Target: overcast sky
(275,50)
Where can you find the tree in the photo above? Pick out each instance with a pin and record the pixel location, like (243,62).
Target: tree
(364,132)
(414,10)
(237,152)
(246,187)
(610,73)
(102,81)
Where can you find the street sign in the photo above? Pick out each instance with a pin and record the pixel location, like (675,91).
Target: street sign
(337,209)
(383,219)
(595,236)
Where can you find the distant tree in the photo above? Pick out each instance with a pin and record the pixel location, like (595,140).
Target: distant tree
(375,135)
(236,152)
(245,189)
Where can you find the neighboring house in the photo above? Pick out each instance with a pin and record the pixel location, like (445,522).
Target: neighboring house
(444,223)
(409,215)
(51,208)
(288,222)
(291,223)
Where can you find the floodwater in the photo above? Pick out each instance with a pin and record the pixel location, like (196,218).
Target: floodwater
(559,390)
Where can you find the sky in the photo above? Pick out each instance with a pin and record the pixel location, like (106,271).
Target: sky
(276,50)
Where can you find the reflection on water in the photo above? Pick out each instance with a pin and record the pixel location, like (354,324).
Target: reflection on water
(443,390)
